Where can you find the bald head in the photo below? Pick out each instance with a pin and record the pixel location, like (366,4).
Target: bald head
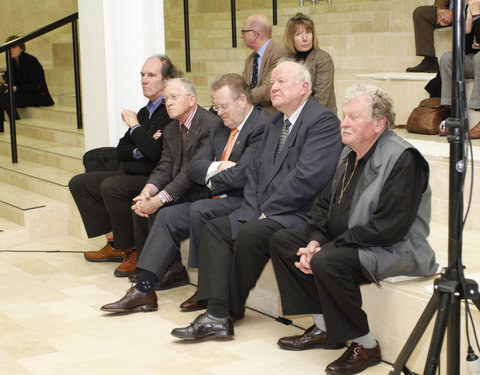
(260,23)
(256,31)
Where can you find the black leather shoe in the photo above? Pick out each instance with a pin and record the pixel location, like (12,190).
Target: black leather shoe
(312,338)
(174,277)
(133,301)
(355,359)
(205,325)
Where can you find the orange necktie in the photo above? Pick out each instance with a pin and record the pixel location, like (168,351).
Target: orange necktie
(230,143)
(228,149)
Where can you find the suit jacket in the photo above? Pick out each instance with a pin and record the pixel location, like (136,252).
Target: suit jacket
(142,138)
(261,94)
(285,190)
(321,68)
(29,77)
(232,180)
(168,175)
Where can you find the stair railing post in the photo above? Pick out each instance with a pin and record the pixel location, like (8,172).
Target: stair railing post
(186,25)
(11,116)
(76,69)
(233,15)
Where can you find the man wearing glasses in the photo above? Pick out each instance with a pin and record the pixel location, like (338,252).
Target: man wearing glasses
(218,167)
(257,34)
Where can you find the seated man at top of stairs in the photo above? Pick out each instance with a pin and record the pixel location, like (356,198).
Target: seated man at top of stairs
(426,19)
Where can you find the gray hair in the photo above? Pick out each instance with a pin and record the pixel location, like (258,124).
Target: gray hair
(187,86)
(380,102)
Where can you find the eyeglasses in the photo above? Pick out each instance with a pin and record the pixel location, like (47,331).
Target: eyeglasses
(223,107)
(243,31)
(173,98)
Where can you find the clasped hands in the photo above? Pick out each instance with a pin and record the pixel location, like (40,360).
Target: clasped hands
(306,253)
(144,204)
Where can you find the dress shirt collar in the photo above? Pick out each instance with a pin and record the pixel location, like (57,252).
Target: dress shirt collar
(152,106)
(188,123)
(293,118)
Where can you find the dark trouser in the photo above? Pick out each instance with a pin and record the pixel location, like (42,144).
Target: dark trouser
(333,290)
(20,101)
(230,268)
(424,23)
(104,200)
(174,224)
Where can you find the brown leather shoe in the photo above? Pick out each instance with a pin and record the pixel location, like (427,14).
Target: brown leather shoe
(355,359)
(128,265)
(312,338)
(192,304)
(105,254)
(133,301)
(475,132)
(429,64)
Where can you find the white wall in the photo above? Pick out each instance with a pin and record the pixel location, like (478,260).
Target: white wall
(116,36)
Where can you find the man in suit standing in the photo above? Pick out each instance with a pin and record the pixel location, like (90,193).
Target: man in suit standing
(220,165)
(104,198)
(299,151)
(257,35)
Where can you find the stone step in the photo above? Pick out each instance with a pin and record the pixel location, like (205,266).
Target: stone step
(36,178)
(51,131)
(45,152)
(41,216)
(55,113)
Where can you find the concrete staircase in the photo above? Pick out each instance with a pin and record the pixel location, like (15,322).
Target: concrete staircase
(34,199)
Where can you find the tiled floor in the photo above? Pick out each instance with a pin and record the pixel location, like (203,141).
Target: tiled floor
(50,323)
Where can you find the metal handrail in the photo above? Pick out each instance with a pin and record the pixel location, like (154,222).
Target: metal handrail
(35,34)
(186,25)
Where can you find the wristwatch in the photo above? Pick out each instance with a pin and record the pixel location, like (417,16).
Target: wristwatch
(162,198)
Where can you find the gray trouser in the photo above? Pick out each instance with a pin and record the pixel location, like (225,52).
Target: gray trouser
(472,71)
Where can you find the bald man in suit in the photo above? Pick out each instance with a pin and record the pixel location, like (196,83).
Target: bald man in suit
(257,35)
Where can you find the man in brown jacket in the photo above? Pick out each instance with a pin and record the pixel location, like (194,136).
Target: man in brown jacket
(426,19)
(257,34)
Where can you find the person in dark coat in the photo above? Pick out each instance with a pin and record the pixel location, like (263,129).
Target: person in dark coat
(29,85)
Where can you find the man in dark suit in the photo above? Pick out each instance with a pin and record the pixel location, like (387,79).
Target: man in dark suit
(297,157)
(104,198)
(257,35)
(220,165)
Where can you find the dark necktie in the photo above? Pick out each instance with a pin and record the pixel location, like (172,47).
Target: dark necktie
(254,81)
(283,138)
(183,132)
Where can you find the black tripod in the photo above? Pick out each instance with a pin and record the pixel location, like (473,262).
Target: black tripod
(451,288)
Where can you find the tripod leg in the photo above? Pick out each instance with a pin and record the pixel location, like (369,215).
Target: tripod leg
(438,334)
(415,336)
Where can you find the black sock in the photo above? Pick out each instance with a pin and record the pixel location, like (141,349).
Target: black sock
(111,243)
(217,308)
(146,281)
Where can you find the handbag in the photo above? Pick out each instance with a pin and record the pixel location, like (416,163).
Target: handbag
(426,118)
(101,159)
